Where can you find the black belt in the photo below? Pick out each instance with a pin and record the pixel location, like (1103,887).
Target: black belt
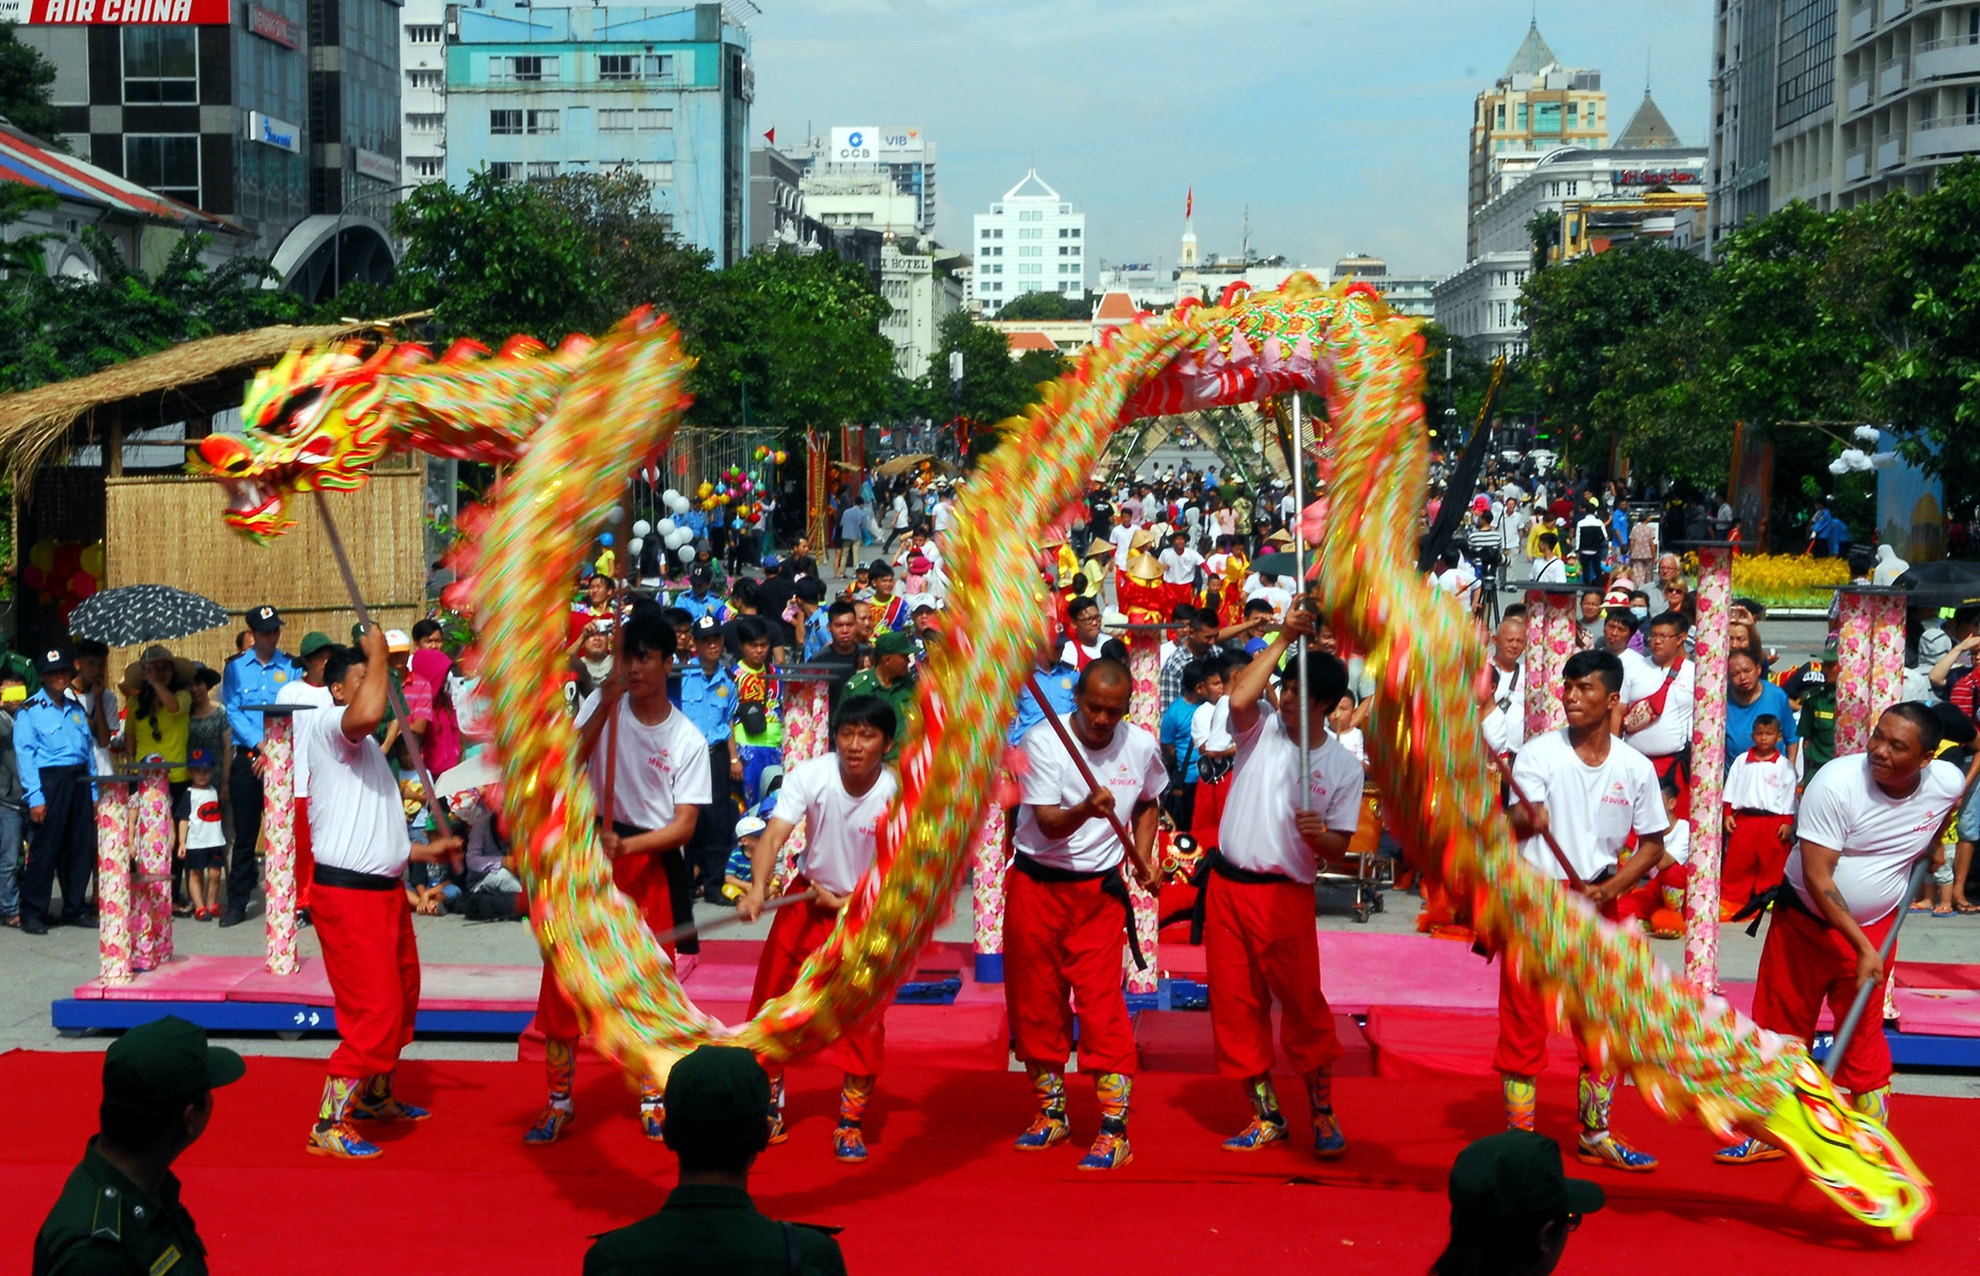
(1215,865)
(1783,894)
(352,880)
(67,770)
(1754,810)
(1111,883)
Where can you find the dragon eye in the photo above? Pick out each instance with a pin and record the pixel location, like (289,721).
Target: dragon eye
(225,453)
(316,450)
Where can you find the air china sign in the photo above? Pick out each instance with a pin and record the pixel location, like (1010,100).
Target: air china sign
(215,13)
(1656,177)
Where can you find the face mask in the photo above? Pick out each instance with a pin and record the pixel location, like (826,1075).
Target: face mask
(1641,613)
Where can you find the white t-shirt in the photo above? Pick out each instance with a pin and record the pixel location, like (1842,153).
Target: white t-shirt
(1131,766)
(1279,598)
(1509,699)
(660,768)
(944,517)
(1878,835)
(1591,810)
(298,692)
(1670,733)
(1677,841)
(1210,727)
(357,820)
(204,830)
(1122,539)
(840,830)
(1753,785)
(1550,570)
(1260,829)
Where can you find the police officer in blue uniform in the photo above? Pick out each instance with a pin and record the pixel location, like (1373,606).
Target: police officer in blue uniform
(708,698)
(255,676)
(53,749)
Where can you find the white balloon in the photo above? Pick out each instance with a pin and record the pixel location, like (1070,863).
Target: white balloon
(616,514)
(635,545)
(665,527)
(677,538)
(686,553)
(670,496)
(641,527)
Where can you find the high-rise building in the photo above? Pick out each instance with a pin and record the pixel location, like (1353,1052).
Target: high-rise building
(535,91)
(776,204)
(920,286)
(1835,102)
(1406,294)
(1031,240)
(423,92)
(280,115)
(1536,106)
(881,176)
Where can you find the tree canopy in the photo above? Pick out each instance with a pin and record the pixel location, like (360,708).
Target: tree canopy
(1046,306)
(25,80)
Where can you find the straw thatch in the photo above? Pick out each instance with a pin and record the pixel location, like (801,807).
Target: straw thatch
(184,379)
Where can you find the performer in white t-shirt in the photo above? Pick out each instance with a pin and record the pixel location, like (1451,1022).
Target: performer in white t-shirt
(1657,700)
(658,765)
(1591,791)
(1865,819)
(1259,937)
(840,800)
(1066,913)
(363,922)
(306,693)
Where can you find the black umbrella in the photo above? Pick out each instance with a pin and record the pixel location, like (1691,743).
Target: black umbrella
(1279,564)
(134,614)
(1948,581)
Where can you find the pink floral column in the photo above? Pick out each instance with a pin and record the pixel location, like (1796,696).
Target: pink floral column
(1145,711)
(1886,657)
(1708,767)
(113,880)
(152,892)
(988,866)
(278,832)
(1540,698)
(1853,691)
(807,731)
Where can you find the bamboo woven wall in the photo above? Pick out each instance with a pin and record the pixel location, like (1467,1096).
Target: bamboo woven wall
(167,529)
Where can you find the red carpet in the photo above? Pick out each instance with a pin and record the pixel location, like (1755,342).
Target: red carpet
(944,1192)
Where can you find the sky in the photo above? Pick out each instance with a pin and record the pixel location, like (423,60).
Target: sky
(1342,126)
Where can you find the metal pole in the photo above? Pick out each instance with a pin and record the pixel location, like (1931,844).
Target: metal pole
(1299,570)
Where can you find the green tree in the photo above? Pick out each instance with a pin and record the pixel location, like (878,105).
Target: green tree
(25,78)
(1046,306)
(994,386)
(1543,231)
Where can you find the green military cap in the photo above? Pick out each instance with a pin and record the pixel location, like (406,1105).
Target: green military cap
(1516,1173)
(313,642)
(166,1064)
(1830,652)
(718,1087)
(893,643)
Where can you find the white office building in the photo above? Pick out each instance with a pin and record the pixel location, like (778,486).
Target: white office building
(1031,240)
(922,292)
(882,176)
(423,91)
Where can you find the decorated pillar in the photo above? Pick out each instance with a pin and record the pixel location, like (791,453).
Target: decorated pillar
(113,879)
(807,709)
(1708,765)
(1886,656)
(151,894)
(1144,711)
(1540,698)
(988,866)
(1853,691)
(278,833)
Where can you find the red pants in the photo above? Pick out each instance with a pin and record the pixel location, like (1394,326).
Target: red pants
(642,879)
(1648,896)
(1755,857)
(1526,1021)
(373,963)
(1806,960)
(1064,939)
(1208,812)
(305,860)
(1668,768)
(795,934)
(1259,943)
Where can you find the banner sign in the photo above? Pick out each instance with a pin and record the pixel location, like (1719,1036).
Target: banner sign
(273,26)
(115,13)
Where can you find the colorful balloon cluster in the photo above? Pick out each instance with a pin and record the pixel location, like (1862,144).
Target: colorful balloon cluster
(737,489)
(63,573)
(1686,1050)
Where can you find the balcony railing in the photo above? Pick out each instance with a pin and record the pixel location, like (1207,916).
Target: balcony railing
(1890,78)
(1861,22)
(1858,95)
(1938,59)
(1856,166)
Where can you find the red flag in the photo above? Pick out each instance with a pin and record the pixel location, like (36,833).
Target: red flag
(771,137)
(1189,205)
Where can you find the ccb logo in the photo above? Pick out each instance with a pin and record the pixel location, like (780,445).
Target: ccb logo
(855,138)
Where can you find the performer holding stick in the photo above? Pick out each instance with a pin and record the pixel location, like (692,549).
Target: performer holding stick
(1582,793)
(1864,821)
(1068,908)
(841,798)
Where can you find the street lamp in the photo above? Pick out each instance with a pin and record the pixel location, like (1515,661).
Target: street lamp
(337,233)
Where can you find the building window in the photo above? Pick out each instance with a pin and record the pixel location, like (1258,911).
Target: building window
(1036,216)
(1031,234)
(1502,314)
(659,66)
(425,123)
(656,121)
(503,123)
(615,121)
(522,70)
(161,64)
(168,165)
(542,170)
(1075,233)
(997,251)
(1546,117)
(1031,250)
(505,172)
(428,166)
(540,122)
(426,79)
(1062,232)
(1030,268)
(998,233)
(1574,189)
(657,173)
(422,35)
(635,66)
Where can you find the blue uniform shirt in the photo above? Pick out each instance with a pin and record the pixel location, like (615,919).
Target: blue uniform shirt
(1058,684)
(247,681)
(50,734)
(817,633)
(706,605)
(1176,722)
(709,700)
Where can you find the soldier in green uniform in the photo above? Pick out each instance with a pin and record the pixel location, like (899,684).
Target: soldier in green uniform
(1813,688)
(891,679)
(119,1214)
(718,1121)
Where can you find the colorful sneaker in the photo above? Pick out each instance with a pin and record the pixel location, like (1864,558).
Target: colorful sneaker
(849,1144)
(385,1109)
(1328,1141)
(1748,1151)
(1259,1134)
(1109,1152)
(1613,1152)
(549,1126)
(340,1140)
(1044,1131)
(777,1131)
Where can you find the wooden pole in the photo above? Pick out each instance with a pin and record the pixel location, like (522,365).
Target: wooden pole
(1079,760)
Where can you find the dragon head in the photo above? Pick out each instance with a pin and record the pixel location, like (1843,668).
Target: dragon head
(1849,1155)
